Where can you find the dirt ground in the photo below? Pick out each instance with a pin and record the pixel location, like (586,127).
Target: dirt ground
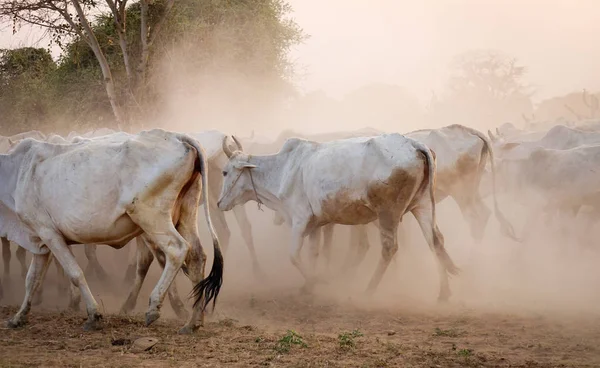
(512,306)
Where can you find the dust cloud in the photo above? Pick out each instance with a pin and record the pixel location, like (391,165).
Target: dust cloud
(375,68)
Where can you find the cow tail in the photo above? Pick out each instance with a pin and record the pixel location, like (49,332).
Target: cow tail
(438,239)
(207,289)
(505,225)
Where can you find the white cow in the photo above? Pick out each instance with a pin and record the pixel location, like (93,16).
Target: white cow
(6,143)
(462,154)
(108,191)
(353,182)
(212,142)
(561,179)
(559,137)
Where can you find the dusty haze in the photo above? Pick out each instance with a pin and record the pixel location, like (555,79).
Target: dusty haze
(407,44)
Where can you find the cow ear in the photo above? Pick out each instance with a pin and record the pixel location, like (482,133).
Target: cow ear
(491,135)
(248,166)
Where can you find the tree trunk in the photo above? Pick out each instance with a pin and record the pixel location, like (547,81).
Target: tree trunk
(106,72)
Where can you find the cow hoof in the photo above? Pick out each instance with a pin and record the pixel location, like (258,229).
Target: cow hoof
(151,317)
(187,330)
(93,323)
(16,322)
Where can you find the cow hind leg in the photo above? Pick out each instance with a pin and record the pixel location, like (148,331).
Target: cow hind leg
(359,246)
(172,292)
(388,225)
(435,240)
(94,267)
(143,260)
(476,213)
(22,258)
(35,276)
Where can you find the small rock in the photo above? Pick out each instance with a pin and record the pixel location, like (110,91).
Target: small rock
(142,344)
(391,333)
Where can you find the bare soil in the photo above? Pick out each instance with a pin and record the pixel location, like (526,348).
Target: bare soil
(251,331)
(514,305)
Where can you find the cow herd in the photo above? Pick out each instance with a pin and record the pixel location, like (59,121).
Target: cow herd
(109,188)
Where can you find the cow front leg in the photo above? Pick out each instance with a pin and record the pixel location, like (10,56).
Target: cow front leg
(295,248)
(6,256)
(67,260)
(246,229)
(327,242)
(33,280)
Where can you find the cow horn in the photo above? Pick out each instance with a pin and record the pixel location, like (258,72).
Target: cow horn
(491,135)
(226,149)
(239,144)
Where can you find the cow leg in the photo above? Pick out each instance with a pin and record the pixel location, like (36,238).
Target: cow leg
(62,283)
(195,260)
(131,272)
(359,241)
(35,276)
(93,264)
(6,256)
(475,212)
(67,260)
(22,258)
(327,241)
(220,224)
(143,260)
(435,240)
(388,226)
(172,292)
(295,248)
(242,219)
(310,276)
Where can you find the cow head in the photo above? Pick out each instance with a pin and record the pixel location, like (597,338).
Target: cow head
(238,187)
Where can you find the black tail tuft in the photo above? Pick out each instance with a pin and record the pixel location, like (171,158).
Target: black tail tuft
(208,289)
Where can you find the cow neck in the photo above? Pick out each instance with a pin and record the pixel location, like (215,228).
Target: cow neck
(266,178)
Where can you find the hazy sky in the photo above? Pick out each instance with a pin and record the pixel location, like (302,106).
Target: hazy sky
(409,43)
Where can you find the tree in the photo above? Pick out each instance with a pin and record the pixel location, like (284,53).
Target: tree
(485,87)
(122,44)
(66,19)
(25,88)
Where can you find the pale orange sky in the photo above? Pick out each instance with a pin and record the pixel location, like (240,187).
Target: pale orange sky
(409,43)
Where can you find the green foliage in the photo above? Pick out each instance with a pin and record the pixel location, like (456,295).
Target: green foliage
(247,39)
(446,333)
(290,338)
(346,339)
(26,89)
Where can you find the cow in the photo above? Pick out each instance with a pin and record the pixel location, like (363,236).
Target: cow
(212,141)
(90,250)
(108,191)
(6,143)
(539,173)
(350,181)
(559,137)
(462,154)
